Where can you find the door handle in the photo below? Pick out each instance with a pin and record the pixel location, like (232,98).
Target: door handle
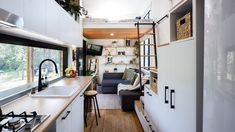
(68,112)
(172,96)
(166,94)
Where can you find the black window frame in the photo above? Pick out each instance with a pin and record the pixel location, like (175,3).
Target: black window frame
(15,40)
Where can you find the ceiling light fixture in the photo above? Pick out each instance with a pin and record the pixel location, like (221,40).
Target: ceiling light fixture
(111,34)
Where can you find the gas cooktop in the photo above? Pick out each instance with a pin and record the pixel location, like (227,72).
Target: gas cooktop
(22,122)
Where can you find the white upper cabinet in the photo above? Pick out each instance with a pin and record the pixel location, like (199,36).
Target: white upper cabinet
(34,15)
(59,24)
(14,6)
(46,17)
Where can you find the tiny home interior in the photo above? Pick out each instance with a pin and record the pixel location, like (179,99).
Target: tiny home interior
(107,65)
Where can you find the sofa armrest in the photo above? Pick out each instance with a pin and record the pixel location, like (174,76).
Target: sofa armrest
(112,75)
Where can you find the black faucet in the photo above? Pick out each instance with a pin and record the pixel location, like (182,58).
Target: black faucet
(39,76)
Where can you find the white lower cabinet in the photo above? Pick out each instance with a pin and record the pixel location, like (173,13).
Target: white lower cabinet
(63,122)
(71,120)
(77,114)
(173,108)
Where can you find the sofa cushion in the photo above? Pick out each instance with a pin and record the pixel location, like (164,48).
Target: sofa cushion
(113,82)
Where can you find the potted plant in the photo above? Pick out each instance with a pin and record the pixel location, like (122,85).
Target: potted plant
(73,9)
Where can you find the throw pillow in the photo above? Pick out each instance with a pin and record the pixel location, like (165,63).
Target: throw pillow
(133,80)
(124,74)
(130,75)
(137,80)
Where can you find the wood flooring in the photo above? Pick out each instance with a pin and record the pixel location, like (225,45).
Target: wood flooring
(114,121)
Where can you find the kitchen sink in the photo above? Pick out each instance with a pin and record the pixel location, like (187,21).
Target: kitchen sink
(55,91)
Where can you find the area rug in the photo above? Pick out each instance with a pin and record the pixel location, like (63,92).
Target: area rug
(109,101)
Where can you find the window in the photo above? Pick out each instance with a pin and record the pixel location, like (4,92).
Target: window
(48,68)
(12,66)
(147,49)
(19,67)
(147,52)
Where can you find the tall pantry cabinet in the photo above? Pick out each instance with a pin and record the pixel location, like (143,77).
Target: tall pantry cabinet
(177,106)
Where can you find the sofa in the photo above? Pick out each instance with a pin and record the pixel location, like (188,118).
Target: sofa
(110,82)
(128,99)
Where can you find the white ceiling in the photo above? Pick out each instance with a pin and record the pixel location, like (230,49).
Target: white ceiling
(115,9)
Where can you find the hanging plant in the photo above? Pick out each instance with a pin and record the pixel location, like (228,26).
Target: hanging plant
(73,9)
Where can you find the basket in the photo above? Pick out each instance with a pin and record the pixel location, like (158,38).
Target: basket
(184,26)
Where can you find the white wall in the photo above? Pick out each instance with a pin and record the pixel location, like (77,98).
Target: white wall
(46,17)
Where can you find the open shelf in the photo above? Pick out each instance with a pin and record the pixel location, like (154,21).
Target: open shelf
(120,55)
(121,64)
(176,13)
(182,40)
(183,6)
(120,47)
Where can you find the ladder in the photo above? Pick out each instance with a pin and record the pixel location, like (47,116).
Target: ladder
(152,32)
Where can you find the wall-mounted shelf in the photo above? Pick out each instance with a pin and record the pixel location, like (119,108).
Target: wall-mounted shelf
(121,64)
(120,55)
(119,47)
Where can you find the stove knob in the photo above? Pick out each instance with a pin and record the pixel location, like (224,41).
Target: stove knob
(28,126)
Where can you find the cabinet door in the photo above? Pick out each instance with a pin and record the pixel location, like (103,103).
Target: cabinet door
(164,85)
(77,114)
(183,73)
(63,122)
(163,29)
(37,22)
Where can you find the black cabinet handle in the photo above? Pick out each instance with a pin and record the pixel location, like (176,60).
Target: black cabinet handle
(68,112)
(172,104)
(150,126)
(166,94)
(149,94)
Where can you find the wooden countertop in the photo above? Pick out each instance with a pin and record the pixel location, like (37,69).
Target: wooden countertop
(52,106)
